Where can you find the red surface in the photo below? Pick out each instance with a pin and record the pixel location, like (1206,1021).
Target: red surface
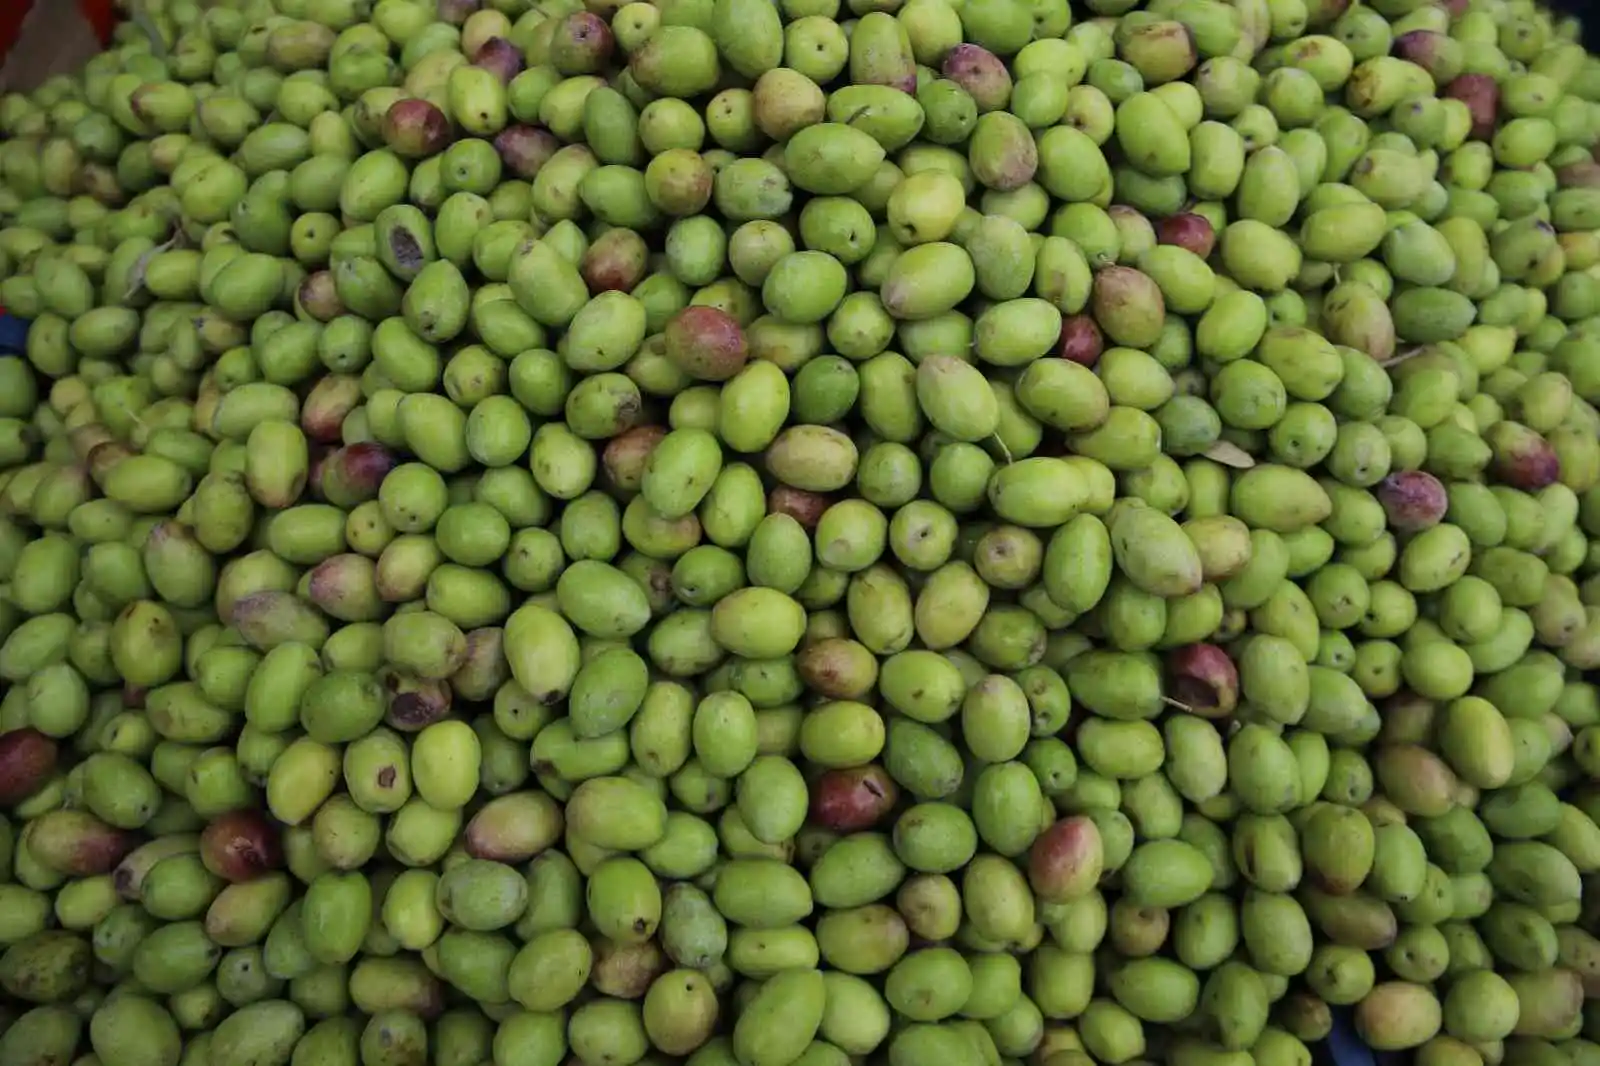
(12,12)
(100,14)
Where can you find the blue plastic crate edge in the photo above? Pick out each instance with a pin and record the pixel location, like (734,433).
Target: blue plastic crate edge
(1344,1047)
(13,334)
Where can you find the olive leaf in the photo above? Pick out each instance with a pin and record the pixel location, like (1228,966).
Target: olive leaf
(1229,454)
(141,265)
